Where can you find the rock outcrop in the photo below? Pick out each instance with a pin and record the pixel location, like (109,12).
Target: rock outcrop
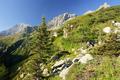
(56,22)
(64,72)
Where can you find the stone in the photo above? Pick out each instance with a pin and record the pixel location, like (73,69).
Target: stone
(107,30)
(68,63)
(59,66)
(75,60)
(55,34)
(71,27)
(117,24)
(55,71)
(85,58)
(112,21)
(90,43)
(58,63)
(99,42)
(64,72)
(45,72)
(18,68)
(22,75)
(116,31)
(42,67)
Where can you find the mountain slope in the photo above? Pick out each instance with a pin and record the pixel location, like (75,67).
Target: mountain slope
(106,54)
(85,28)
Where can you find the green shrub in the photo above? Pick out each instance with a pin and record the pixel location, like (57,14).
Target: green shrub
(3,71)
(110,47)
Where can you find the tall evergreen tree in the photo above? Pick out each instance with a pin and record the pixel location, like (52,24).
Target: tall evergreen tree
(42,42)
(41,47)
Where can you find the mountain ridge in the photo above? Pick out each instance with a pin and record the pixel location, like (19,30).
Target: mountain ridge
(18,28)
(57,21)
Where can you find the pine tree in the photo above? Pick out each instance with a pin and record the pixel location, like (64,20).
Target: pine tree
(42,42)
(41,47)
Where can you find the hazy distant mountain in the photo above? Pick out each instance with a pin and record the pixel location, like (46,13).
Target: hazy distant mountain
(57,21)
(18,28)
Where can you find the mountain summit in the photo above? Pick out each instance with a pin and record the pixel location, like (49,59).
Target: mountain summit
(56,22)
(18,28)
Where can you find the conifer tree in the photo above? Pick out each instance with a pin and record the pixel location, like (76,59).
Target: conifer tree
(41,48)
(42,41)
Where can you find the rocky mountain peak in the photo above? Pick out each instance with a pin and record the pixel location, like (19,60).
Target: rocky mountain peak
(57,21)
(18,28)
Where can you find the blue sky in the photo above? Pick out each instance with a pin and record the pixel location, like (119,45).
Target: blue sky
(30,11)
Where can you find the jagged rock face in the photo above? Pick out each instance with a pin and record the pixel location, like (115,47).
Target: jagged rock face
(19,28)
(59,20)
